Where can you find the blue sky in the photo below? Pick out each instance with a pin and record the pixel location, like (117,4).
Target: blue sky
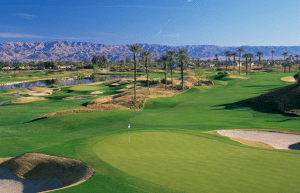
(165,22)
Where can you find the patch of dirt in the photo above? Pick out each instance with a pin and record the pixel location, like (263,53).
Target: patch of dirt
(241,77)
(39,91)
(286,99)
(27,99)
(34,166)
(288,79)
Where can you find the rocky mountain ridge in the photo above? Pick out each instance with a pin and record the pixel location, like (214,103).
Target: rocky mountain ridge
(77,51)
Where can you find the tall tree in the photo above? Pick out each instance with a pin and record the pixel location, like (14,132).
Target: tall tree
(284,62)
(259,54)
(182,57)
(216,55)
(250,56)
(227,54)
(135,49)
(246,58)
(240,50)
(147,54)
(171,54)
(165,60)
(297,56)
(272,54)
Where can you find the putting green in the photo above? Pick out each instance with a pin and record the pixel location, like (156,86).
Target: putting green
(197,164)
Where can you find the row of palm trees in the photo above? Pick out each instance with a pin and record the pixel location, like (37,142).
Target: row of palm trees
(259,54)
(169,58)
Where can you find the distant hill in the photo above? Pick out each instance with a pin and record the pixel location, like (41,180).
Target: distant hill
(77,51)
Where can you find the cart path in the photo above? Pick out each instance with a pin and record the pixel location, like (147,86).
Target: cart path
(15,94)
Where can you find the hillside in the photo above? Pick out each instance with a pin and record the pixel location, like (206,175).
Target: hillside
(77,51)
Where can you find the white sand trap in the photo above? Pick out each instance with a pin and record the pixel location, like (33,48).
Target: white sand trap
(241,77)
(275,139)
(288,79)
(10,183)
(36,172)
(98,92)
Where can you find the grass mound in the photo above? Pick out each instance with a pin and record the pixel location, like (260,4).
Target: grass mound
(34,166)
(285,98)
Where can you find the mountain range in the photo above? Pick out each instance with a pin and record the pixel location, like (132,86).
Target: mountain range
(77,51)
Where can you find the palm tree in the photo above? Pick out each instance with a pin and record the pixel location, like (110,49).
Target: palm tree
(216,55)
(182,57)
(171,54)
(227,53)
(297,56)
(284,65)
(246,56)
(272,54)
(250,56)
(147,54)
(240,50)
(165,60)
(135,49)
(234,54)
(259,54)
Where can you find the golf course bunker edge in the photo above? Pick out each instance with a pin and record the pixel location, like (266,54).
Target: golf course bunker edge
(36,172)
(199,162)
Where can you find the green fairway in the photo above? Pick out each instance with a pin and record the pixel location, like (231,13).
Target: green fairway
(196,164)
(168,149)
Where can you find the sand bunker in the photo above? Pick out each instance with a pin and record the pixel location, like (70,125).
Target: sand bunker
(98,92)
(79,97)
(28,99)
(288,79)
(39,91)
(274,139)
(36,172)
(241,77)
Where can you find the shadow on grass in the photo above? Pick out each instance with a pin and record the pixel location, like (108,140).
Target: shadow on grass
(271,108)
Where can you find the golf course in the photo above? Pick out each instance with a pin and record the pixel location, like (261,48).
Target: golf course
(172,144)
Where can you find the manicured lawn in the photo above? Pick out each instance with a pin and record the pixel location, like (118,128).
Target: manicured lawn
(207,162)
(193,163)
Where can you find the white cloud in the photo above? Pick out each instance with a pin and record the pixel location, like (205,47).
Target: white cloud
(25,16)
(159,32)
(29,36)
(18,35)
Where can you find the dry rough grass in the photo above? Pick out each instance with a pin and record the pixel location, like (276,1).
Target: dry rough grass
(33,166)
(252,143)
(287,99)
(125,99)
(27,99)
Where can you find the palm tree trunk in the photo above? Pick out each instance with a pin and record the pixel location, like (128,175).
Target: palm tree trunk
(226,63)
(172,73)
(182,63)
(289,69)
(250,65)
(166,75)
(284,69)
(147,73)
(246,66)
(134,57)
(239,64)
